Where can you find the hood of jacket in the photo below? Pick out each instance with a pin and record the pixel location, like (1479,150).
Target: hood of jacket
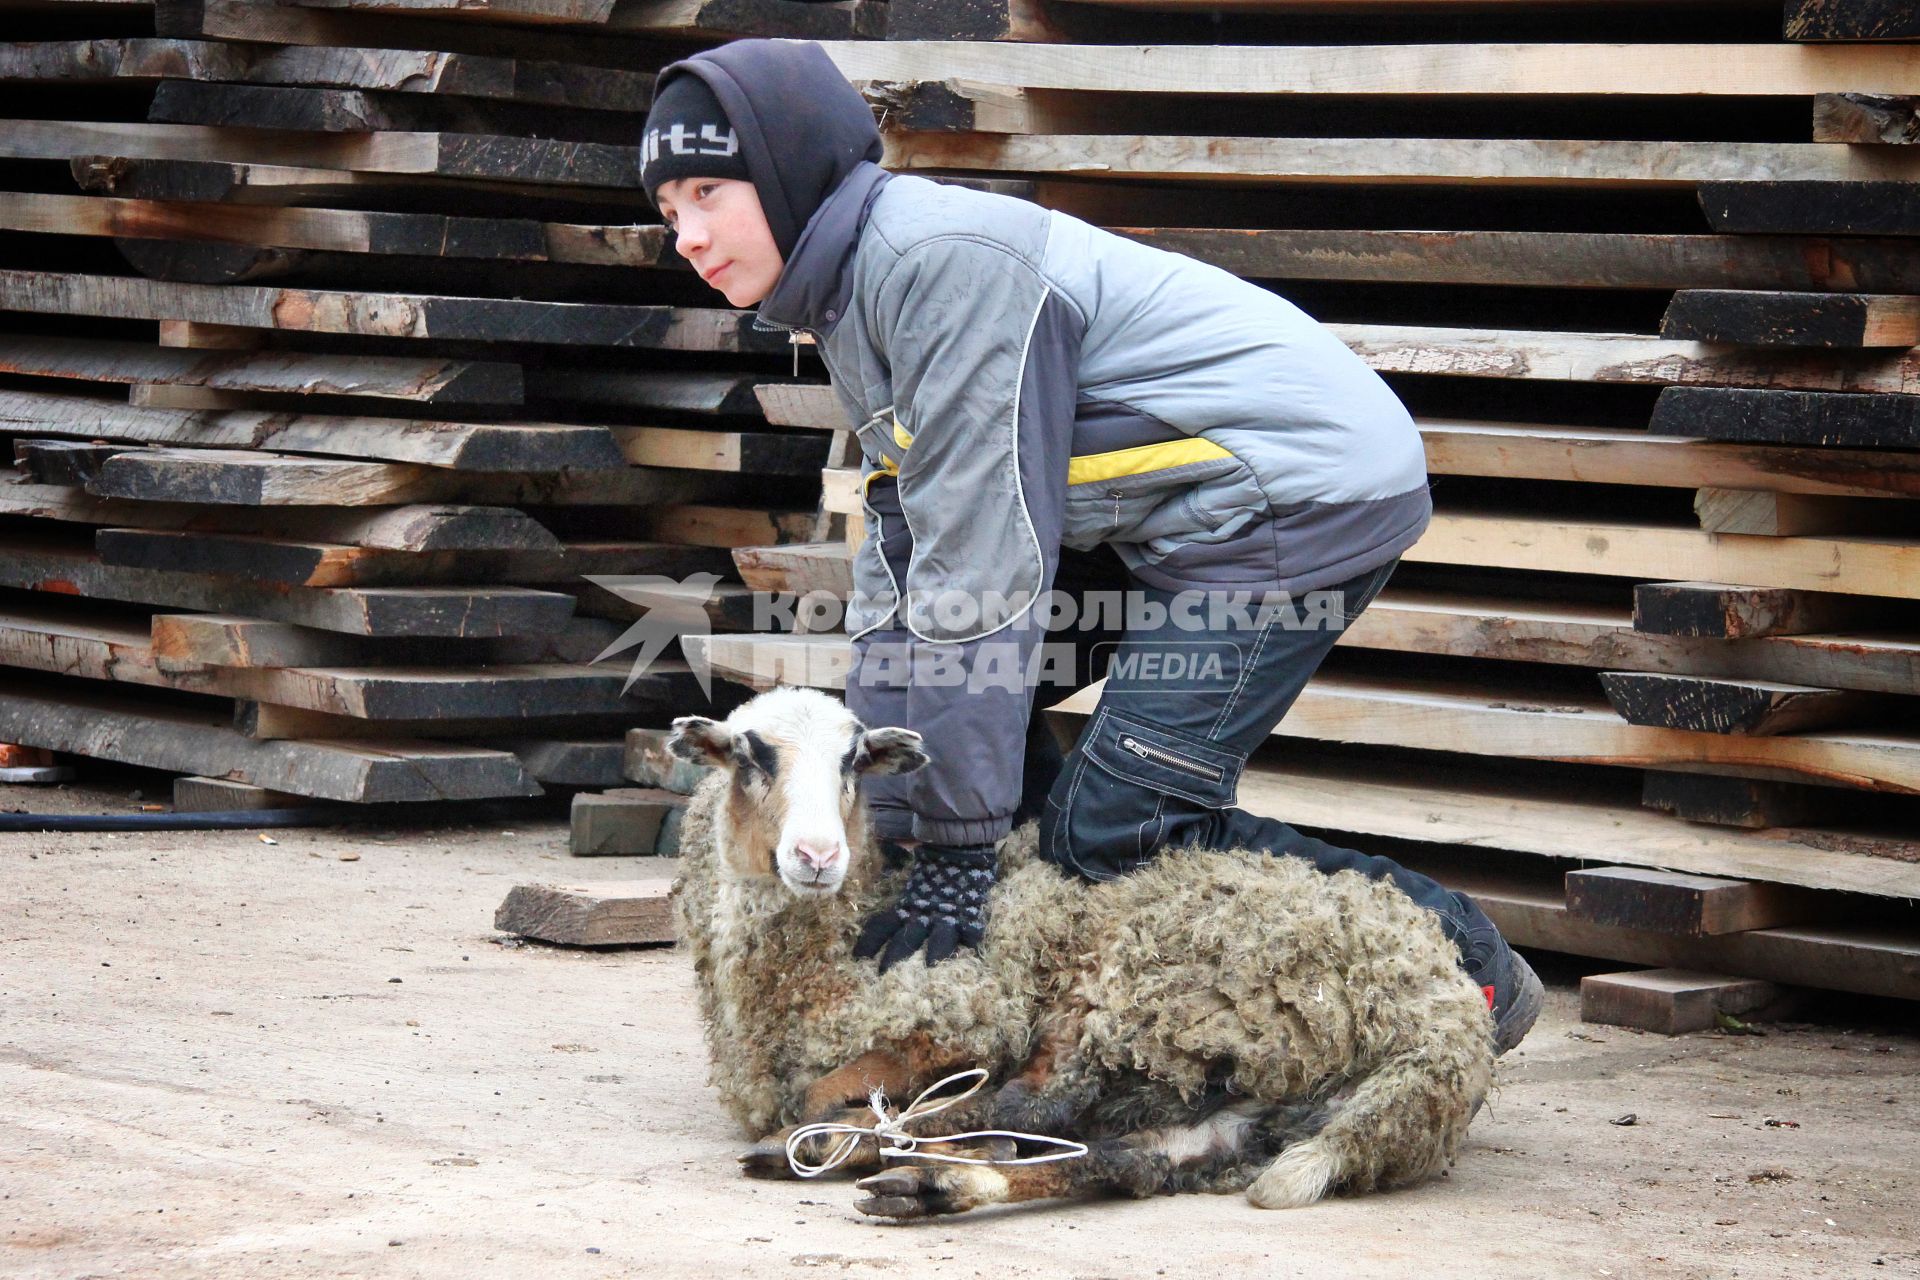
(802,127)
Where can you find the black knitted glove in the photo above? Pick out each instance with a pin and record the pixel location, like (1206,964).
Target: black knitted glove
(944,906)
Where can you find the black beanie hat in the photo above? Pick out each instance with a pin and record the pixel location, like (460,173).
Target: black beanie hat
(688,136)
(800,127)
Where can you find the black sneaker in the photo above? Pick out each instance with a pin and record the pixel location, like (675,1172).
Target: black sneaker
(1515,997)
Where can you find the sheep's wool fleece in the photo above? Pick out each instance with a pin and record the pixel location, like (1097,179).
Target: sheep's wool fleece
(1204,968)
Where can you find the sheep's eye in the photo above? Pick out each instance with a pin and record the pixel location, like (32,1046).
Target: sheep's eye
(758,756)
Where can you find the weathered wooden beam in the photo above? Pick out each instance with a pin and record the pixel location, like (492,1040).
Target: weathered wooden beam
(1850,20)
(607,913)
(336,230)
(624,821)
(1848,566)
(475,612)
(112,724)
(767,18)
(1718,611)
(1549,162)
(1438,69)
(1688,905)
(744,452)
(1671,1002)
(1755,707)
(1871,959)
(259,479)
(388,315)
(1792,417)
(1776,319)
(1750,803)
(1791,204)
(1601,455)
(725,394)
(428,380)
(214,795)
(487,157)
(1482,721)
(1428,803)
(1576,259)
(802,405)
(1866,118)
(710,526)
(326,110)
(569,762)
(1765,513)
(561,84)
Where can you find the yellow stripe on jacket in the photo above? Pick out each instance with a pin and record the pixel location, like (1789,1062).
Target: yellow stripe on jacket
(1143,458)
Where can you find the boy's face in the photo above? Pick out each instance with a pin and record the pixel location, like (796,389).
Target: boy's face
(720,228)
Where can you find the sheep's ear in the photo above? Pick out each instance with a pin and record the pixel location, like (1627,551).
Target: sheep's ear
(889,751)
(701,740)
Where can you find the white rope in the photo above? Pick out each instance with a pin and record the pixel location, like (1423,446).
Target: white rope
(890,1128)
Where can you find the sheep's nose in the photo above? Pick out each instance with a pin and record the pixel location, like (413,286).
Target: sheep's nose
(818,854)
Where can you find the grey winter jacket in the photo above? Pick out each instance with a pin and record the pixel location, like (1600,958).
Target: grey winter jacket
(1024,380)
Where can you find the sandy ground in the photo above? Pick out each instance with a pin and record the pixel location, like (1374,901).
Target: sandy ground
(222,1057)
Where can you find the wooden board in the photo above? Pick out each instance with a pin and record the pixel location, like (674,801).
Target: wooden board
(800,405)
(1441,716)
(691,392)
(627,821)
(471,612)
(1866,118)
(569,762)
(424,380)
(1511,630)
(1670,1002)
(453,446)
(1674,902)
(388,315)
(213,795)
(1740,802)
(1851,20)
(767,18)
(1735,706)
(1785,204)
(1773,319)
(1576,259)
(483,157)
(1601,455)
(608,913)
(649,763)
(1790,417)
(1880,960)
(1486,809)
(1624,165)
(259,479)
(743,452)
(1765,513)
(111,724)
(1718,611)
(1847,566)
(337,230)
(414,71)
(1441,69)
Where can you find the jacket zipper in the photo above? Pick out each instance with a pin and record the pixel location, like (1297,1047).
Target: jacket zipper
(1145,752)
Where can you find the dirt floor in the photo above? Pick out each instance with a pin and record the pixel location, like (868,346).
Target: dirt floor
(226,1057)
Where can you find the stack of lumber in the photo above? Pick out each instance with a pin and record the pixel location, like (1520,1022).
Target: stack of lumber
(349,382)
(1649,279)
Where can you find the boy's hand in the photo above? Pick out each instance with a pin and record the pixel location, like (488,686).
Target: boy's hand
(943,907)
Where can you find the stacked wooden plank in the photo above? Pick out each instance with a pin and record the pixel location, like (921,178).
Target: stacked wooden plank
(351,386)
(1651,286)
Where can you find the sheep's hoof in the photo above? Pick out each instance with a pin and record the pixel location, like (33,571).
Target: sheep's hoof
(915,1191)
(767,1158)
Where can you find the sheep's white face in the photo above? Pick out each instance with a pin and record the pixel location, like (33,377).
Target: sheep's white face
(795,758)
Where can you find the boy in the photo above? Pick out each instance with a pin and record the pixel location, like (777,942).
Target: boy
(1026,382)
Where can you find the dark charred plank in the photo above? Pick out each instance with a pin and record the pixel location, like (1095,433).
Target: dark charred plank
(1814,208)
(369,110)
(1751,707)
(1757,318)
(1688,906)
(1868,420)
(1851,20)
(1750,803)
(1719,611)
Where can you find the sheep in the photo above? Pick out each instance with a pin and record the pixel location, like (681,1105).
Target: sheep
(1221,1020)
